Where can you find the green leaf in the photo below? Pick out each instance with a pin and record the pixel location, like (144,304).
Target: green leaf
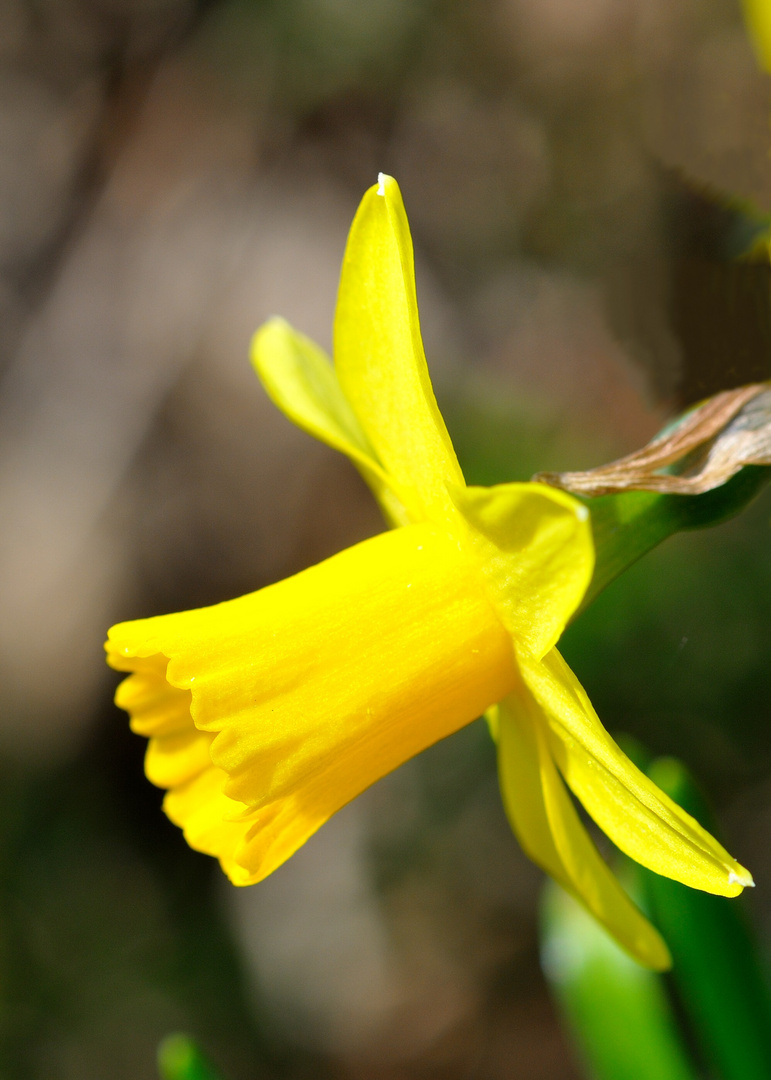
(717,971)
(617,1011)
(180,1059)
(627,525)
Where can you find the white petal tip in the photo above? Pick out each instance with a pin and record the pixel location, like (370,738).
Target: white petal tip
(381,179)
(582,512)
(745,880)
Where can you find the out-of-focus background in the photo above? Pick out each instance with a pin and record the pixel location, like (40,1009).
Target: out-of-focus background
(173,172)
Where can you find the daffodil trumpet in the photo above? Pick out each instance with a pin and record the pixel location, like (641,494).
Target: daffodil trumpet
(266,714)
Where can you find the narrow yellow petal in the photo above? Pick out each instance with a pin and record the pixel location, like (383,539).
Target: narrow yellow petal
(300,379)
(317,686)
(547,826)
(536,550)
(637,816)
(380,361)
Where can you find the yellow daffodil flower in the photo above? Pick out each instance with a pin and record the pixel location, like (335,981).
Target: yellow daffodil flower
(267,714)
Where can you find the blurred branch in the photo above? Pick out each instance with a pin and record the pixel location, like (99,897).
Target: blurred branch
(125,75)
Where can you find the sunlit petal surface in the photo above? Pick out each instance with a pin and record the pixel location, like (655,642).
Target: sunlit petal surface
(380,361)
(537,554)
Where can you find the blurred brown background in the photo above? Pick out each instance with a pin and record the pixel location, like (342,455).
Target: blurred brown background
(172,173)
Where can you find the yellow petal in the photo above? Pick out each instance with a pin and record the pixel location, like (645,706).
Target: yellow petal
(548,828)
(155,707)
(172,760)
(380,361)
(758,17)
(319,685)
(536,550)
(637,816)
(299,378)
(211,822)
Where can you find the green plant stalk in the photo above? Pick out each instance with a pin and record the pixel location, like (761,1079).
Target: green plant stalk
(717,968)
(616,1011)
(628,525)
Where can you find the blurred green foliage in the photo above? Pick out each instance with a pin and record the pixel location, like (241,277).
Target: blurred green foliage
(618,1012)
(718,967)
(112,931)
(179,1058)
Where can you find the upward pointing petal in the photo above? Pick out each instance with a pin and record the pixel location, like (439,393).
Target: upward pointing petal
(380,360)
